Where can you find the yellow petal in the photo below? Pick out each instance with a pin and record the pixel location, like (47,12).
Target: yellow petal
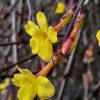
(7,80)
(25,71)
(45,88)
(27,92)
(22,79)
(99,43)
(52,34)
(41,19)
(32,29)
(19,80)
(98,35)
(34,43)
(45,51)
(2,86)
(60,8)
(3,91)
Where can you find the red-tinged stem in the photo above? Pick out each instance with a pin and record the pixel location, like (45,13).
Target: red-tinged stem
(74,17)
(56,56)
(50,65)
(63,21)
(77,27)
(69,42)
(74,7)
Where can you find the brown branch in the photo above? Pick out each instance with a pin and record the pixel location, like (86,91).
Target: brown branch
(10,43)
(30,10)
(8,13)
(50,65)
(74,17)
(19,62)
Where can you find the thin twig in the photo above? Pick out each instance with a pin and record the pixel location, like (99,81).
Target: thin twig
(5,30)
(13,37)
(7,14)
(67,70)
(10,43)
(20,8)
(50,16)
(93,90)
(29,8)
(19,62)
(73,19)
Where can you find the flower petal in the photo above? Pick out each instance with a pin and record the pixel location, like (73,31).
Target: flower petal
(41,19)
(27,92)
(45,51)
(4,84)
(2,92)
(25,71)
(60,8)
(98,35)
(32,29)
(45,88)
(19,80)
(34,43)
(52,34)
(99,43)
(22,79)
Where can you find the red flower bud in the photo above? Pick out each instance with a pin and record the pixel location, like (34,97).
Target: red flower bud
(66,46)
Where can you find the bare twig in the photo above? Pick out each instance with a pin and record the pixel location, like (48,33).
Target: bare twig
(19,62)
(7,14)
(93,90)
(29,8)
(73,19)
(13,38)
(66,72)
(10,43)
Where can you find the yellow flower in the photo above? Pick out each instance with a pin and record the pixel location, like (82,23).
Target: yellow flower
(98,37)
(4,85)
(42,37)
(30,85)
(60,8)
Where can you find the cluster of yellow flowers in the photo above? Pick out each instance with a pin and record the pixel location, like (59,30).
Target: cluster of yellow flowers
(41,44)
(42,37)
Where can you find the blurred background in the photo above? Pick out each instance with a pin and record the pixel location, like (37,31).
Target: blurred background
(77,77)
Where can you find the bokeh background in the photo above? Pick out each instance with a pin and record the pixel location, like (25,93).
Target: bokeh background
(77,77)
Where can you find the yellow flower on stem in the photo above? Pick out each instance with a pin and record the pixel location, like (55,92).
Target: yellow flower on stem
(42,37)
(60,8)
(98,37)
(31,85)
